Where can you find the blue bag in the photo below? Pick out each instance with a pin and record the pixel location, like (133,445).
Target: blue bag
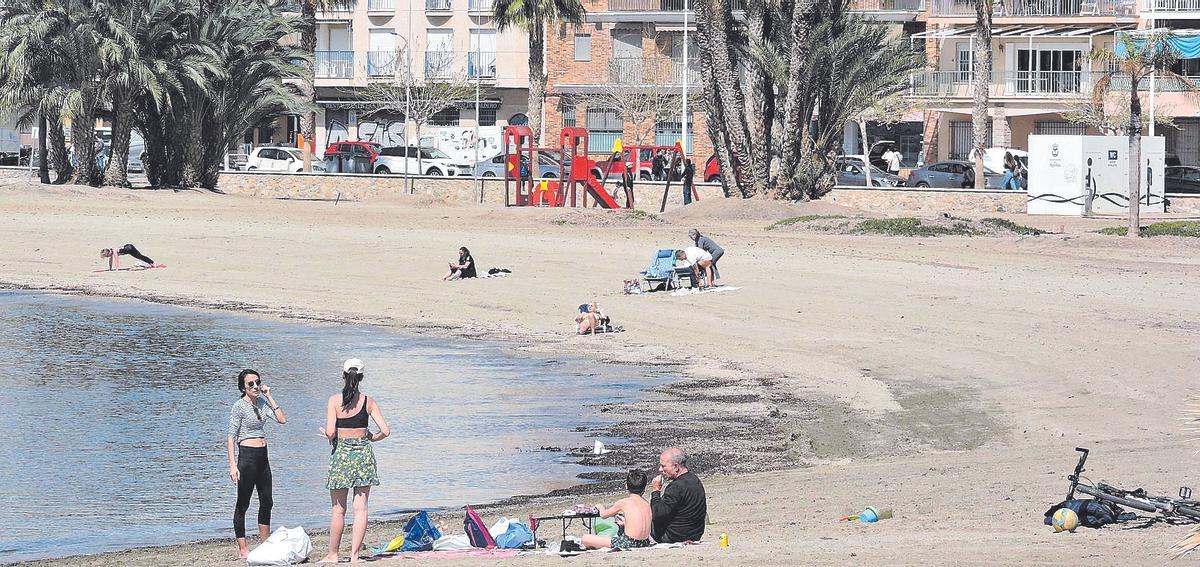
(419,533)
(517,535)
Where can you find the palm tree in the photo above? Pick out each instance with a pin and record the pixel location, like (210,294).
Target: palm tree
(1136,59)
(983,77)
(534,16)
(308,89)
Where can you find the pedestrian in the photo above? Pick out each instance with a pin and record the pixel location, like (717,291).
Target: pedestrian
(707,244)
(627,184)
(352,464)
(657,166)
(251,471)
(893,158)
(689,174)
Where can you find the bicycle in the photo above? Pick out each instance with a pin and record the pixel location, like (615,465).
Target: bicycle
(1172,510)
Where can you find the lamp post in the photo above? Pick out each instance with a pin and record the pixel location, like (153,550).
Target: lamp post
(407,91)
(684,113)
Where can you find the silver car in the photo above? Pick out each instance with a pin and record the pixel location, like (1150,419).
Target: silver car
(548,167)
(851,174)
(952,174)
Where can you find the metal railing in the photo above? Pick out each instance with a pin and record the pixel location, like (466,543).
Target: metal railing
(438,5)
(381,5)
(655,71)
(381,63)
(333,64)
(1042,8)
(662,5)
(1034,84)
(1120,82)
(887,5)
(480,6)
(481,65)
(1171,5)
(439,64)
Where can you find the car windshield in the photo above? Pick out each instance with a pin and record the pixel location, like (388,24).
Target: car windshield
(433,153)
(296,154)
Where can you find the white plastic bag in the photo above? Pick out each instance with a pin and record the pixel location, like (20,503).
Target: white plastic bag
(285,547)
(499,527)
(452,542)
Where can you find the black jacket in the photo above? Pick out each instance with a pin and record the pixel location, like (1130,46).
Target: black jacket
(680,511)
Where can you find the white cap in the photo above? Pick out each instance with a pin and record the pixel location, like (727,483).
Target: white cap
(353,363)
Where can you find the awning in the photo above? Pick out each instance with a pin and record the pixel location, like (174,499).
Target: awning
(1185,41)
(1024,31)
(341,103)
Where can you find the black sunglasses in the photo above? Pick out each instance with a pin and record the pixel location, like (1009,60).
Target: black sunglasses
(254,383)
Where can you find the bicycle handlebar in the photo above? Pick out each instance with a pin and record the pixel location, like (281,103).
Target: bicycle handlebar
(1074,477)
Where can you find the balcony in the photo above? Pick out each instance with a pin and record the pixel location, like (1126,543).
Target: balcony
(870,6)
(1004,84)
(1041,8)
(439,6)
(381,6)
(480,6)
(661,5)
(439,64)
(1189,84)
(648,72)
(1170,6)
(381,64)
(333,64)
(481,65)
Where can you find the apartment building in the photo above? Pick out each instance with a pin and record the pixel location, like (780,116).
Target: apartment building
(1041,69)
(378,40)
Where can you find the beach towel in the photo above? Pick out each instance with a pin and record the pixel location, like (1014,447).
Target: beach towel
(284,547)
(695,291)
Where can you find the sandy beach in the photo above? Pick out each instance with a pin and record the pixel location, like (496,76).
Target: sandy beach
(947,378)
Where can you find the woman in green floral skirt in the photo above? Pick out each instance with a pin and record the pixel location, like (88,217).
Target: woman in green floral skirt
(352,464)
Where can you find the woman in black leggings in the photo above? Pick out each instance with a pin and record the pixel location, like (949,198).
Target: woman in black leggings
(251,471)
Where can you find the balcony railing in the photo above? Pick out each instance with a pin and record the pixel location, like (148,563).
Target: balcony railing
(662,5)
(1171,5)
(438,5)
(887,5)
(1161,84)
(381,63)
(439,64)
(658,71)
(333,64)
(481,65)
(381,5)
(483,6)
(1040,8)
(1033,84)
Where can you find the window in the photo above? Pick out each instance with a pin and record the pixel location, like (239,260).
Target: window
(966,62)
(962,140)
(568,114)
(940,168)
(667,131)
(447,117)
(583,47)
(518,119)
(487,116)
(1058,127)
(604,128)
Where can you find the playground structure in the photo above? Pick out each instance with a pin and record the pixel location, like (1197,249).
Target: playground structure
(577,180)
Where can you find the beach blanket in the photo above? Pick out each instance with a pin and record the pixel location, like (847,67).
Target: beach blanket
(694,291)
(132,268)
(455,554)
(553,549)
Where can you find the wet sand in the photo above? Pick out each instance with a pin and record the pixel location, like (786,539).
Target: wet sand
(947,378)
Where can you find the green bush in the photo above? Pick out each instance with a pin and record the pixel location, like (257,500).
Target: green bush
(908,226)
(805,218)
(1165,228)
(1011,226)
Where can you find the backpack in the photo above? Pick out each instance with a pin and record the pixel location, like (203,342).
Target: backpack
(476,531)
(1092,513)
(419,533)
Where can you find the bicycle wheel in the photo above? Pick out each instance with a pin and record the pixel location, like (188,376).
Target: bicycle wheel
(1119,500)
(1193,513)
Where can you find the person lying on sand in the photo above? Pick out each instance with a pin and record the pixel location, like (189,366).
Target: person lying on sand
(112,255)
(465,268)
(633,523)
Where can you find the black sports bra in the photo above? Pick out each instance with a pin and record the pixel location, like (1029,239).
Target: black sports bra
(356,421)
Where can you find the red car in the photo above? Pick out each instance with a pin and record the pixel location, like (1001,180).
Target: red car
(712,170)
(370,149)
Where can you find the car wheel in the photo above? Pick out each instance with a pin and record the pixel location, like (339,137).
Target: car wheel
(434,171)
(550,176)
(712,179)
(488,174)
(251,168)
(922,185)
(645,176)
(383,171)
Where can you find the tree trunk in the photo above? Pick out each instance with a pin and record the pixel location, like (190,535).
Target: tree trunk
(308,89)
(537,78)
(983,79)
(760,107)
(1135,159)
(862,129)
(43,156)
(83,138)
(192,151)
(796,114)
(722,89)
(115,173)
(59,157)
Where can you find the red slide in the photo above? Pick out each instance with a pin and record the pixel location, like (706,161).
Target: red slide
(600,195)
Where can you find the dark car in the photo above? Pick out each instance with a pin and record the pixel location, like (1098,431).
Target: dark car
(1182,179)
(951,175)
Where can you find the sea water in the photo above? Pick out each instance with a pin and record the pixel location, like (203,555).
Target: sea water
(115,415)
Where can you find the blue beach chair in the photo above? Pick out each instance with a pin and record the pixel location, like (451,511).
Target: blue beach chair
(662,274)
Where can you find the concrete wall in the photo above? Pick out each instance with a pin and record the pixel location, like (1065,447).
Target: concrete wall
(928,201)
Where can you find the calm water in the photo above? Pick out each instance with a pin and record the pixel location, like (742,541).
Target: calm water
(115,412)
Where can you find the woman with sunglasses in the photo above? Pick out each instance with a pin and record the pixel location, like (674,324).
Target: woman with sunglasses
(251,471)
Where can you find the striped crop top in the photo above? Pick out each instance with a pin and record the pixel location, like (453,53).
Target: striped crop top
(244,423)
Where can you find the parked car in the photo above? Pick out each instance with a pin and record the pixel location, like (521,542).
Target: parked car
(644,165)
(851,173)
(712,170)
(876,154)
(1182,179)
(369,149)
(431,161)
(548,167)
(950,175)
(274,158)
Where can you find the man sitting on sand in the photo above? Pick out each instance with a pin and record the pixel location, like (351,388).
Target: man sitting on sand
(697,259)
(680,510)
(633,524)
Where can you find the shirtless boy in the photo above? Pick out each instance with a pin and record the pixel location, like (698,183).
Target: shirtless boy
(634,530)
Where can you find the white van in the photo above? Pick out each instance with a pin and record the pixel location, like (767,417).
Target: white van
(993,158)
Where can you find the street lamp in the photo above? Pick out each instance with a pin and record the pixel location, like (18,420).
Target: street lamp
(407,92)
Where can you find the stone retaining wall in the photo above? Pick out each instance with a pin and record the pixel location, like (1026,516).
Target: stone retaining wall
(927,201)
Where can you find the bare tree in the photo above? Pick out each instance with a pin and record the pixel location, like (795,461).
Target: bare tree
(442,87)
(1109,112)
(642,91)
(886,110)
